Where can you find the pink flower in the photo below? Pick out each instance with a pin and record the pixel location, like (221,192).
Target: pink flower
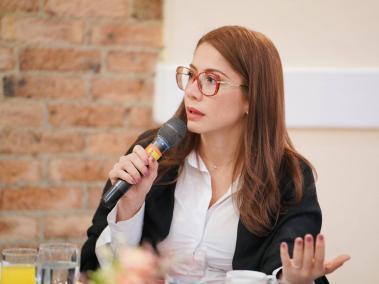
(131,265)
(138,266)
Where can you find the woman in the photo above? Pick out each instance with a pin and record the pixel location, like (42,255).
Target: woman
(235,186)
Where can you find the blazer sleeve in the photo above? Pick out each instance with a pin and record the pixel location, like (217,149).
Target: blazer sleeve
(297,220)
(88,259)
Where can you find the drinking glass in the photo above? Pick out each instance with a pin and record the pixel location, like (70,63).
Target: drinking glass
(18,266)
(187,267)
(57,263)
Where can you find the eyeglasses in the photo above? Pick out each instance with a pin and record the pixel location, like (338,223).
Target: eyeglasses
(207,82)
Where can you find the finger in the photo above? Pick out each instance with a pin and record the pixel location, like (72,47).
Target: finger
(284,256)
(332,265)
(113,176)
(298,251)
(308,253)
(153,163)
(319,254)
(129,167)
(152,169)
(121,174)
(141,152)
(139,163)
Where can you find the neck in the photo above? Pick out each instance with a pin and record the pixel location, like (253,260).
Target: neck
(220,148)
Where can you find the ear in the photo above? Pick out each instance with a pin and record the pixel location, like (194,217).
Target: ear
(246,107)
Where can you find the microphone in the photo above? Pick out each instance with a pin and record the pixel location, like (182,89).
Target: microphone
(168,136)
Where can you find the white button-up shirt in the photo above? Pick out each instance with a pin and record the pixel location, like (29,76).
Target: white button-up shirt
(195,226)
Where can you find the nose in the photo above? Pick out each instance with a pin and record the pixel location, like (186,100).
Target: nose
(192,90)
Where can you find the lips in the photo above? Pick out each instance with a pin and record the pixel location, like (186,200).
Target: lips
(194,114)
(193,110)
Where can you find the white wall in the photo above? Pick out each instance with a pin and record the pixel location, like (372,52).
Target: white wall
(312,34)
(308,33)
(347,162)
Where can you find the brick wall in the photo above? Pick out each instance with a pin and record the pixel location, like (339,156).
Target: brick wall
(75,90)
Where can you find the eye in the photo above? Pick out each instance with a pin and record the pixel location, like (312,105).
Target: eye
(210,79)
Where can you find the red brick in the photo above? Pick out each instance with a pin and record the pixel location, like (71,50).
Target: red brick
(44,87)
(147,9)
(132,61)
(40,198)
(61,115)
(28,141)
(14,170)
(19,5)
(134,34)
(37,30)
(60,59)
(122,90)
(21,114)
(67,227)
(94,196)
(111,143)
(7,60)
(88,8)
(80,169)
(140,116)
(18,228)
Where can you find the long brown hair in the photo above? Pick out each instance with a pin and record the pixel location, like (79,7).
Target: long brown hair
(267,153)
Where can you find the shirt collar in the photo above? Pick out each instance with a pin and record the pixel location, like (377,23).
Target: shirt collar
(195,161)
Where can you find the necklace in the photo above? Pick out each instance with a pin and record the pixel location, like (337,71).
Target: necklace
(214,166)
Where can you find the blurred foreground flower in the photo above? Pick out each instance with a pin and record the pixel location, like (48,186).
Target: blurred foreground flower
(131,265)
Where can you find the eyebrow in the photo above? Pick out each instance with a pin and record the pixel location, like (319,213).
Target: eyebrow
(209,70)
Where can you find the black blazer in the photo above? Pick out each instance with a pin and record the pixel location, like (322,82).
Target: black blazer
(251,253)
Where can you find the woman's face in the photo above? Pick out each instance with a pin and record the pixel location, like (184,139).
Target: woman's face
(220,112)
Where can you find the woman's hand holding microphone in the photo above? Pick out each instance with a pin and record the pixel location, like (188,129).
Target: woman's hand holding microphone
(140,170)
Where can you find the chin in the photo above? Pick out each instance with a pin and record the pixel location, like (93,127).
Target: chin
(195,127)
(199,128)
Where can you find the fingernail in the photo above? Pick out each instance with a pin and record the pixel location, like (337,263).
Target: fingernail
(308,238)
(299,241)
(283,245)
(321,237)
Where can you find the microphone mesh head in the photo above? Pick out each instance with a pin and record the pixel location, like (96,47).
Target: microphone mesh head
(173,131)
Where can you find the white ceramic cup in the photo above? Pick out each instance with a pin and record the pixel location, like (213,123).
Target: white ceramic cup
(248,277)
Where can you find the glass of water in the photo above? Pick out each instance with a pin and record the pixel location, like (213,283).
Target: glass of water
(57,263)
